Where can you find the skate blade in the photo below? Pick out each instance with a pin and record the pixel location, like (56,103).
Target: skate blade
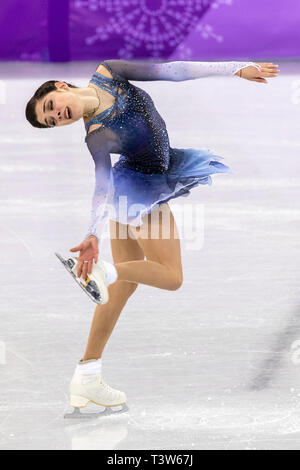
(69,269)
(111,410)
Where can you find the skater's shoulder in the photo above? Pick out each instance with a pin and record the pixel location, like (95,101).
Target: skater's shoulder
(102,69)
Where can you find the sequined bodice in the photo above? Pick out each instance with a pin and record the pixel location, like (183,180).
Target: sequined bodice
(133,126)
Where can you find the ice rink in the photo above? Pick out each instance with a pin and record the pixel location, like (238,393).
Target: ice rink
(213,365)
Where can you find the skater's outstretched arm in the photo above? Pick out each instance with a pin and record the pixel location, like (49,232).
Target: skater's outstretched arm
(102,198)
(181,70)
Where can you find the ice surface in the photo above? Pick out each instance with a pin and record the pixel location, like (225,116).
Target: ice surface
(213,365)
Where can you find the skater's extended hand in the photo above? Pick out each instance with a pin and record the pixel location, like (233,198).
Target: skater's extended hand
(267,69)
(88,252)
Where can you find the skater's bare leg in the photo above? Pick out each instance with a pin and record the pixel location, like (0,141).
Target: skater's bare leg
(106,315)
(162,267)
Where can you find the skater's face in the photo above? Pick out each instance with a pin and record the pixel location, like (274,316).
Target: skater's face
(60,107)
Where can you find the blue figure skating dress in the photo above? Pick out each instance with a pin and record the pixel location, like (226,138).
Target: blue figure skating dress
(149,172)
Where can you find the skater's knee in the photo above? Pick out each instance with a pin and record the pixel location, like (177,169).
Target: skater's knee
(126,288)
(175,281)
(131,288)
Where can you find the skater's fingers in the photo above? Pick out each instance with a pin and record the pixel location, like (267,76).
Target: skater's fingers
(95,255)
(268,74)
(84,271)
(76,248)
(90,266)
(269,65)
(79,268)
(260,80)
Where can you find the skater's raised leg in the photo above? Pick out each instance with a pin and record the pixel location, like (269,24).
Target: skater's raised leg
(162,267)
(158,238)
(163,260)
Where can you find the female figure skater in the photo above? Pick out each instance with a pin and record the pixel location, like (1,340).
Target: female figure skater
(121,118)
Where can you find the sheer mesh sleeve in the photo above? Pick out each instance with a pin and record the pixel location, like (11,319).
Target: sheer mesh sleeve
(103,192)
(173,70)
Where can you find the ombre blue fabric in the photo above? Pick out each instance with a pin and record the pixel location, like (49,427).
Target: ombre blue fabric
(149,172)
(144,192)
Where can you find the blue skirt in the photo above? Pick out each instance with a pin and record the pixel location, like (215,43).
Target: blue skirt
(137,193)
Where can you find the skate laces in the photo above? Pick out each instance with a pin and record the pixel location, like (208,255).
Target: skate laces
(106,386)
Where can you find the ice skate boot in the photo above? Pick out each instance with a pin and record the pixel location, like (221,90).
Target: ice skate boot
(91,388)
(96,284)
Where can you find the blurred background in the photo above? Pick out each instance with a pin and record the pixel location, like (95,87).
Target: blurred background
(71,30)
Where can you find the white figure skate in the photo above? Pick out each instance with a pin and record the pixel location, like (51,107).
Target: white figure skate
(90,388)
(95,286)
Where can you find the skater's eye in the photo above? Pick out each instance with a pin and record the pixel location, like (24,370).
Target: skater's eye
(51,108)
(50,105)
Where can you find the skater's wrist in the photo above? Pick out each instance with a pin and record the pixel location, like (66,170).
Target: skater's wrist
(89,237)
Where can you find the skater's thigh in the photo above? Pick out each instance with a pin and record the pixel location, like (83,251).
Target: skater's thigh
(123,247)
(158,237)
